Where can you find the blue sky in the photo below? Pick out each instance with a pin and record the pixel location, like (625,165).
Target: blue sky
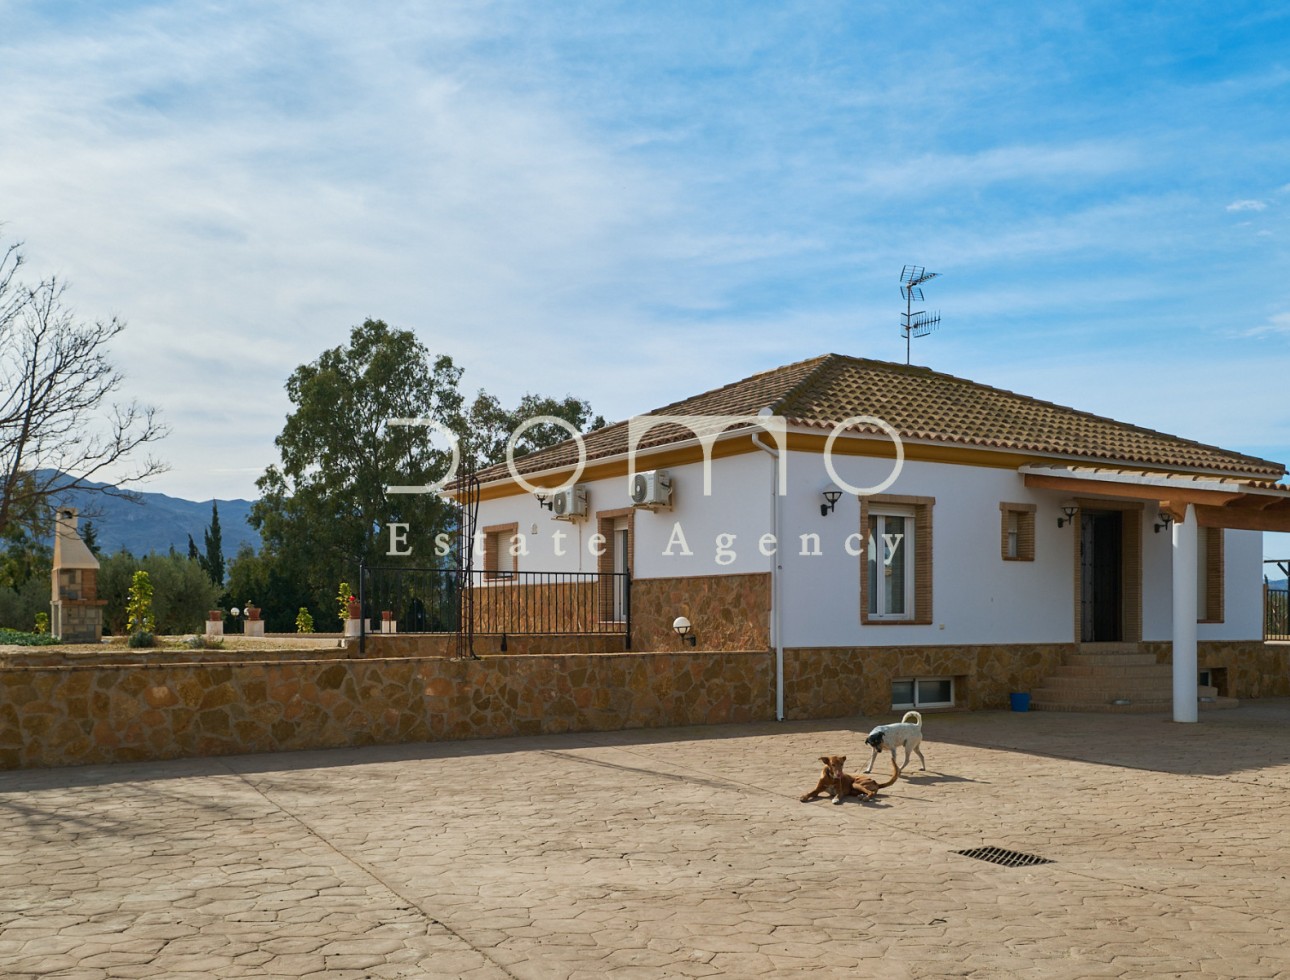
(633,202)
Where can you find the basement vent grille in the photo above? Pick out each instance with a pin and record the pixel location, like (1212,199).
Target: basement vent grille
(1009,859)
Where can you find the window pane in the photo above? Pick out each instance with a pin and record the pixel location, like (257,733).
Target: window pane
(902,694)
(1014,533)
(894,555)
(871,552)
(935,692)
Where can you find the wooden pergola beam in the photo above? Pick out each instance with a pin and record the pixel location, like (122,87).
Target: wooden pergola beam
(1214,508)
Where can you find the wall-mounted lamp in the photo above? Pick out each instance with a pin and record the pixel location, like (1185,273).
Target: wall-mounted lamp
(1070,509)
(545,500)
(684,630)
(831,497)
(1165,520)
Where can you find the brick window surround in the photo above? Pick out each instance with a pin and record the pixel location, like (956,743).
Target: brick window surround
(922,558)
(1017,522)
(605,520)
(1211,609)
(498,540)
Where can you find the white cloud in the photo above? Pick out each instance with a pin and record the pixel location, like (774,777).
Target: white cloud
(1278,324)
(1248,205)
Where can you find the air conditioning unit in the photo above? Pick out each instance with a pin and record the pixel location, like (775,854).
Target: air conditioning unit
(652,489)
(569,503)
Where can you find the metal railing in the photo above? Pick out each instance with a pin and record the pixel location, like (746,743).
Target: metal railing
(1276,603)
(437,600)
(1276,613)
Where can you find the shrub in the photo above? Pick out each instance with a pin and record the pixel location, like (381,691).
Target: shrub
(344,597)
(138,607)
(142,638)
(304,621)
(203,642)
(19,638)
(42,622)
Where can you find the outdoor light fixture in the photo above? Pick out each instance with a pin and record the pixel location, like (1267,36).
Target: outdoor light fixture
(684,630)
(1070,509)
(1165,520)
(831,496)
(545,500)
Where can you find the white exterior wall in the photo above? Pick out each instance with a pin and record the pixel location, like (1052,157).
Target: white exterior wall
(739,505)
(1242,586)
(1242,589)
(978,598)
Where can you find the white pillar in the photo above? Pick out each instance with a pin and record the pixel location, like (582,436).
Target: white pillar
(1184,624)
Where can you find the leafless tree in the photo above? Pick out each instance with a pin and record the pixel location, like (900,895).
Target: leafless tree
(60,427)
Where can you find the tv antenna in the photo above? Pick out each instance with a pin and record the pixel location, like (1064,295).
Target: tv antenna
(920,323)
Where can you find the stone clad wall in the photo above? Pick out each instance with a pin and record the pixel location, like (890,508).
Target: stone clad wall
(55,716)
(837,681)
(1249,668)
(729,612)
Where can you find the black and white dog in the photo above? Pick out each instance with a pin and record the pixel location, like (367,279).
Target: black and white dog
(887,738)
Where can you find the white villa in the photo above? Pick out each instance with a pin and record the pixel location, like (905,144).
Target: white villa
(901,537)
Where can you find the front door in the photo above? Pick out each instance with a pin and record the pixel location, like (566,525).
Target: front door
(1101,564)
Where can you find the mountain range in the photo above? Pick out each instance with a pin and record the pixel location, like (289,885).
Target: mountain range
(158,522)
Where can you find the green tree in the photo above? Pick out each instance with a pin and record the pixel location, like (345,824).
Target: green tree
(182,591)
(25,565)
(212,561)
(90,535)
(490,426)
(275,587)
(325,507)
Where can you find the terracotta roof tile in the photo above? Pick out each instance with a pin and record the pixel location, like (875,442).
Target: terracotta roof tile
(920,404)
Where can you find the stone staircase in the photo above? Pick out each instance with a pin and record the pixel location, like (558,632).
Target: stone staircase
(1114,677)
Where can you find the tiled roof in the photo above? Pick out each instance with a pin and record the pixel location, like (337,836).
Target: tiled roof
(921,405)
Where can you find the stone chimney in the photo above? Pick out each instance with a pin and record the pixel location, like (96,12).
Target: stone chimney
(76,611)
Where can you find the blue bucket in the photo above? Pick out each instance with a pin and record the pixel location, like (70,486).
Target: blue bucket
(1020,702)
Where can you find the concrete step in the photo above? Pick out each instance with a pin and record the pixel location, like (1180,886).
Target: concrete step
(1110,659)
(1152,669)
(1141,685)
(1118,647)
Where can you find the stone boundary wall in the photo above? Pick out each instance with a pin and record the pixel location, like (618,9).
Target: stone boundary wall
(58,716)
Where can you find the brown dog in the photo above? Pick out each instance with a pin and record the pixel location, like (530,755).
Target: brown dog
(838,783)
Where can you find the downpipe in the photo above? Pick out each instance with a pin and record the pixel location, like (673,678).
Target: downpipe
(776,626)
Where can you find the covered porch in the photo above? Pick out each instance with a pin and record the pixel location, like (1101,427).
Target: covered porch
(1185,505)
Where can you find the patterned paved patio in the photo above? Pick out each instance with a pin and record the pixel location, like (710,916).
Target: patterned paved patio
(668,853)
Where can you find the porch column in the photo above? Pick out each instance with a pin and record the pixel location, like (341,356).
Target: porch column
(1184,624)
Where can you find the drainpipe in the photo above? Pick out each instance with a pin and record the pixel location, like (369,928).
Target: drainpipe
(776,626)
